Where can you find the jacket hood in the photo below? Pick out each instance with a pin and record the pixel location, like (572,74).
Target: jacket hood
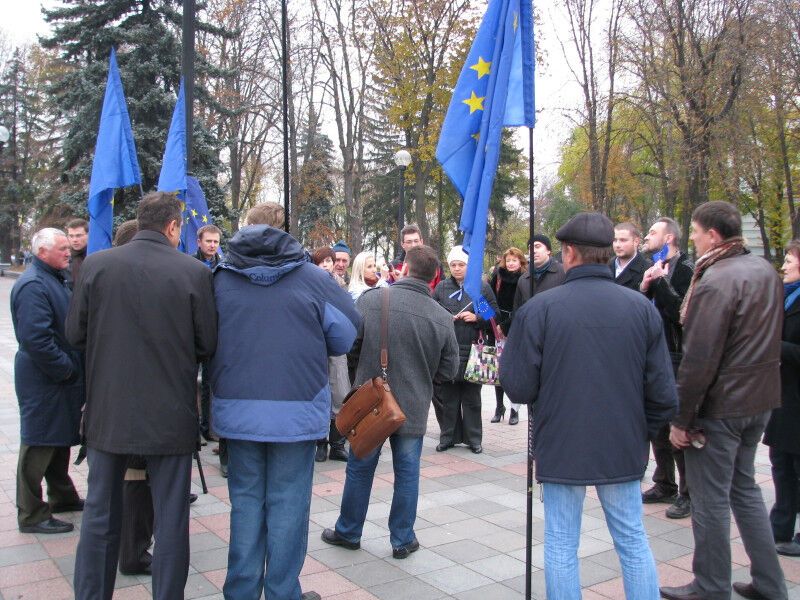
(263,254)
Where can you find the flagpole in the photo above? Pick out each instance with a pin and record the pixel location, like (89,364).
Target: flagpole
(285,98)
(187,67)
(529,499)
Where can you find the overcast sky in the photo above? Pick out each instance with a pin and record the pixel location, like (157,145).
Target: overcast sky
(555,90)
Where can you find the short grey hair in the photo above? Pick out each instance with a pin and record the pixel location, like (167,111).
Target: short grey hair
(672,227)
(45,238)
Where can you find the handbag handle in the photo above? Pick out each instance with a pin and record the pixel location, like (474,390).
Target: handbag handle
(384,331)
(498,333)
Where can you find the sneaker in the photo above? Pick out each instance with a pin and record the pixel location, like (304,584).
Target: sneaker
(404,551)
(681,509)
(655,494)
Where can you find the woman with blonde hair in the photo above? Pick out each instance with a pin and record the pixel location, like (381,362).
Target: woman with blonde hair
(365,275)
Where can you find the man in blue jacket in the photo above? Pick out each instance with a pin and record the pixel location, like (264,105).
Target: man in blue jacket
(591,357)
(280,317)
(48,378)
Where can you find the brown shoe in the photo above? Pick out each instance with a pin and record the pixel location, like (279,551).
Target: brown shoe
(746,590)
(684,592)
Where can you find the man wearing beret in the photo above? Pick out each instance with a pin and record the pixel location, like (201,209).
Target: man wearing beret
(591,357)
(547,271)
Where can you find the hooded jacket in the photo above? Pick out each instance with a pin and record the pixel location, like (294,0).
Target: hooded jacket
(280,317)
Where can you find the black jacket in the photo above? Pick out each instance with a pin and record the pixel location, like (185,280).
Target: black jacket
(783,429)
(209,262)
(631,277)
(504,286)
(551,278)
(48,372)
(145,314)
(466,333)
(591,357)
(668,293)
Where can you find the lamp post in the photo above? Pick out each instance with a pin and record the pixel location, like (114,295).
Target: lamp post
(402,158)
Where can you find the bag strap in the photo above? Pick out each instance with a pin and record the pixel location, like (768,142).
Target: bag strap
(384,331)
(498,333)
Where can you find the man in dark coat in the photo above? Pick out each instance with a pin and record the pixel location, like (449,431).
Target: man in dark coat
(547,271)
(78,236)
(629,265)
(422,349)
(666,283)
(728,384)
(48,378)
(146,316)
(591,357)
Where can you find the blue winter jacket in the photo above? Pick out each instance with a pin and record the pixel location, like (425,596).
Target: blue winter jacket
(280,317)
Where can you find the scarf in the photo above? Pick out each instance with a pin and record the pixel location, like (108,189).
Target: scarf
(371,281)
(791,291)
(730,247)
(538,272)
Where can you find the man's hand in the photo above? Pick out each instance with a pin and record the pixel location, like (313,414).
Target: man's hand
(658,270)
(679,437)
(467,317)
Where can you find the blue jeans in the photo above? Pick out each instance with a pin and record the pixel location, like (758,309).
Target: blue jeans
(270,490)
(360,473)
(622,505)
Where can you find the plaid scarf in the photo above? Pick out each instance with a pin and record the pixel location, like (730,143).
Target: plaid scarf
(730,247)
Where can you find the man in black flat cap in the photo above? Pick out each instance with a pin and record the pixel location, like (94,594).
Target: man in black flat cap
(591,357)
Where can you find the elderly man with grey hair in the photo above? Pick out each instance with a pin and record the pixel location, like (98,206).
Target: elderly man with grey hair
(48,377)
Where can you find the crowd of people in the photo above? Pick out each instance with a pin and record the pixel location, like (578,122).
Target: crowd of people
(618,343)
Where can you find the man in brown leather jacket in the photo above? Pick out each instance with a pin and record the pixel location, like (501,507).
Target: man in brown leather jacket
(728,382)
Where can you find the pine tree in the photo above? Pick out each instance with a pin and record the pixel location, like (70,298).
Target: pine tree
(145,34)
(314,200)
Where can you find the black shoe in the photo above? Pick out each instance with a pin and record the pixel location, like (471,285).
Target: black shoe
(338,452)
(681,509)
(63,508)
(443,447)
(192,498)
(746,590)
(654,495)
(404,551)
(322,452)
(684,592)
(477,449)
(310,596)
(329,536)
(514,418)
(51,525)
(499,414)
(788,548)
(223,470)
(143,569)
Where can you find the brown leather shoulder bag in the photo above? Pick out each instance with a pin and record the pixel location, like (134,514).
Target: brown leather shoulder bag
(370,413)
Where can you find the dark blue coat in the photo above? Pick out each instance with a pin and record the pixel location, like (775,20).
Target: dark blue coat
(280,317)
(591,357)
(48,372)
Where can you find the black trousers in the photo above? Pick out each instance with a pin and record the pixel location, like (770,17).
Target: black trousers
(786,477)
(667,458)
(98,548)
(205,402)
(461,413)
(35,463)
(137,526)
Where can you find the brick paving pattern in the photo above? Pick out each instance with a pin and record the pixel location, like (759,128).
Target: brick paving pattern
(471,526)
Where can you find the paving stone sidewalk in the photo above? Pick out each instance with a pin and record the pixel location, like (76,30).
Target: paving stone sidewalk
(471,526)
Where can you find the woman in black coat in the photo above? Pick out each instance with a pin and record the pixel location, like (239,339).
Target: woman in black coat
(461,399)
(783,431)
(504,282)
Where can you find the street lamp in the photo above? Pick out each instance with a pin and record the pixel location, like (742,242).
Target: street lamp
(402,158)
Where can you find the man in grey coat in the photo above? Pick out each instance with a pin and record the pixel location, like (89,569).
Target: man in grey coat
(422,348)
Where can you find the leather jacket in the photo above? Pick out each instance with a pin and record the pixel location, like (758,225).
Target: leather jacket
(732,342)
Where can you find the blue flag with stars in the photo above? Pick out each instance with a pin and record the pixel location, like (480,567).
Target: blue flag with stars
(495,90)
(115,164)
(173,178)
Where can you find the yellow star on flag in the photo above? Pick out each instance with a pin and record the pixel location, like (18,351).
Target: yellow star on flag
(194,213)
(481,67)
(516,21)
(474,102)
(205,219)
(183,206)
(476,136)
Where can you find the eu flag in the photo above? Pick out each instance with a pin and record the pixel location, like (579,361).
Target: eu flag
(495,89)
(173,178)
(115,164)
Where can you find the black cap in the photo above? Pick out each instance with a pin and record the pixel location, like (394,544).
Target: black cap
(542,239)
(587,229)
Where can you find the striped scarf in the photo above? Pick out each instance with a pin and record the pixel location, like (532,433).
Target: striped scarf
(730,247)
